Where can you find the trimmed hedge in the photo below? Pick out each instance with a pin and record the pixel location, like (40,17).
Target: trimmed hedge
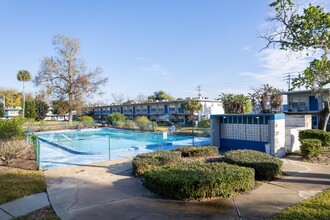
(198,151)
(197,180)
(310,147)
(144,162)
(266,167)
(315,134)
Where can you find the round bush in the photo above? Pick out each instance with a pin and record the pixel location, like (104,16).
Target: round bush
(198,151)
(86,120)
(144,162)
(323,136)
(197,180)
(266,167)
(310,147)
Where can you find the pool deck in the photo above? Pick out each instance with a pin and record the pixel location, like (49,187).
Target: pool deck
(107,190)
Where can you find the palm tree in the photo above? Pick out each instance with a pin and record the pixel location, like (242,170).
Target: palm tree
(192,105)
(23,75)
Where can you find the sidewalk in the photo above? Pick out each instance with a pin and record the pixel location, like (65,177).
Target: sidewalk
(23,206)
(108,190)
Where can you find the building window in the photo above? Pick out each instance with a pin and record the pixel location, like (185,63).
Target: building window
(298,104)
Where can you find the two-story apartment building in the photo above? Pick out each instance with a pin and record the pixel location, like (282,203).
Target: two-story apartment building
(305,102)
(163,110)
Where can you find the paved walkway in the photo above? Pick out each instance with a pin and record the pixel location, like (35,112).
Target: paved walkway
(23,206)
(107,190)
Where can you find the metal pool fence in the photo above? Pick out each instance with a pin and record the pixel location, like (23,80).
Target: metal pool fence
(194,137)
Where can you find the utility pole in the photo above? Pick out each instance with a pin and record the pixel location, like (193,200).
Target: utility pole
(287,77)
(199,90)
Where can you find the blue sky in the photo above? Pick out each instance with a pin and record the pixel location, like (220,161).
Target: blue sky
(144,46)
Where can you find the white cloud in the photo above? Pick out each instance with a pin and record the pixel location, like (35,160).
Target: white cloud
(275,64)
(153,68)
(247,48)
(156,69)
(143,59)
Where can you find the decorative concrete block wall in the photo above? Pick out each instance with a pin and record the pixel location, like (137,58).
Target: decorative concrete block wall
(254,132)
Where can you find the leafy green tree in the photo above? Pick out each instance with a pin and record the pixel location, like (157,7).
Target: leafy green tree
(66,77)
(305,31)
(24,76)
(160,95)
(30,109)
(235,103)
(42,109)
(2,110)
(116,117)
(60,107)
(191,106)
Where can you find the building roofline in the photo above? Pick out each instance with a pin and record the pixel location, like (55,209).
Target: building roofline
(161,101)
(302,91)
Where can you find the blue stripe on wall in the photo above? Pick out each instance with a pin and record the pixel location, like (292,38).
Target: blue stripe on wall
(242,144)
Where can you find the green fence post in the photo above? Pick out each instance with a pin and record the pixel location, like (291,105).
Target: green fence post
(109,147)
(38,153)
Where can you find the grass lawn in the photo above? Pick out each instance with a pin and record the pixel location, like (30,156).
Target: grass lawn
(317,207)
(19,183)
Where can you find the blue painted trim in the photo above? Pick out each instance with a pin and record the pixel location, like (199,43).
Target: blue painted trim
(242,144)
(269,116)
(278,116)
(62,147)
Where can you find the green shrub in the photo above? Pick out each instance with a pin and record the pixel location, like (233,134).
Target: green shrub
(197,180)
(116,117)
(315,134)
(266,167)
(204,123)
(197,151)
(317,207)
(310,147)
(144,124)
(129,124)
(12,129)
(144,162)
(87,121)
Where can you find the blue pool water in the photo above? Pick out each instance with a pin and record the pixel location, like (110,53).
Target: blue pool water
(98,141)
(81,147)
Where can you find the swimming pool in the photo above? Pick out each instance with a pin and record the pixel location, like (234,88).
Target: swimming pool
(98,141)
(81,147)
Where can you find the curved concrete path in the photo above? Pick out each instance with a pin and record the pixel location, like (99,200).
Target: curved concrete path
(107,190)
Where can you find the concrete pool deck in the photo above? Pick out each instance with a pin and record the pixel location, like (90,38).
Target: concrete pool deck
(107,190)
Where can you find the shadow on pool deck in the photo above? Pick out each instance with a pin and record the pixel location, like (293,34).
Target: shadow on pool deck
(107,190)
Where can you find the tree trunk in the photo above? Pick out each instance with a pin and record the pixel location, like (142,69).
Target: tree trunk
(23,99)
(70,116)
(324,116)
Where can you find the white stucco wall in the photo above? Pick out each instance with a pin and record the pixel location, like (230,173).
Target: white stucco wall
(210,108)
